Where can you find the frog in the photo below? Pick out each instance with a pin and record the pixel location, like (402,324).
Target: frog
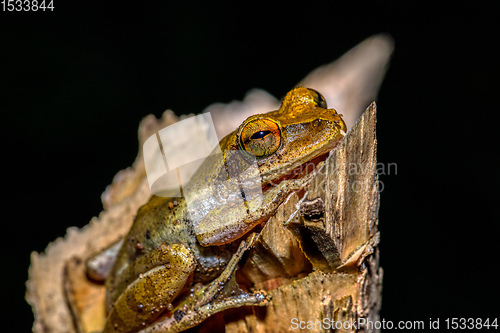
(176,266)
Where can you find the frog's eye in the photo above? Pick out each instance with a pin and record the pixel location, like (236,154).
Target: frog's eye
(318,98)
(260,137)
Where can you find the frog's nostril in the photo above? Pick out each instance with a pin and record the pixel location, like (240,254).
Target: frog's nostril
(317,123)
(341,126)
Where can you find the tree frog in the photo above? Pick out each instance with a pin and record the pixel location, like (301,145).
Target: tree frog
(172,271)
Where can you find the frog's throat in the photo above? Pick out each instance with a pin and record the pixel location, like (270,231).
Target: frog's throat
(229,233)
(299,172)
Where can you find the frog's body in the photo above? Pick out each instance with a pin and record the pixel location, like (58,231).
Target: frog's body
(166,251)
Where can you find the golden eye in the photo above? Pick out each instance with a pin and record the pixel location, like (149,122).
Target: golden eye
(260,137)
(318,98)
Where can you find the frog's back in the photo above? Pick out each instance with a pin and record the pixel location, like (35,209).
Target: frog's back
(163,221)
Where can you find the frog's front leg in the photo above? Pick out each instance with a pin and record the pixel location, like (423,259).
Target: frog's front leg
(152,292)
(221,294)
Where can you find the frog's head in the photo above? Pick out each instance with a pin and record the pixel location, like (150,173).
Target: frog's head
(289,142)
(286,144)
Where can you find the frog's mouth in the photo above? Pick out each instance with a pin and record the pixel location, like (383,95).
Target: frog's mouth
(298,172)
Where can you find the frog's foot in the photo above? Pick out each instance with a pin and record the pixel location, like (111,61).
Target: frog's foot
(221,294)
(184,320)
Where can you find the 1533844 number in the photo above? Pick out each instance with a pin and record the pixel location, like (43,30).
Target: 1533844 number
(27,5)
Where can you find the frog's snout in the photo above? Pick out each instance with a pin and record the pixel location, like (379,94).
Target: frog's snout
(339,123)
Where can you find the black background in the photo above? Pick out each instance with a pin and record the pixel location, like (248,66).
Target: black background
(74,83)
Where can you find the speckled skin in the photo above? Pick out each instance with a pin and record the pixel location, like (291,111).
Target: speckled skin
(164,253)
